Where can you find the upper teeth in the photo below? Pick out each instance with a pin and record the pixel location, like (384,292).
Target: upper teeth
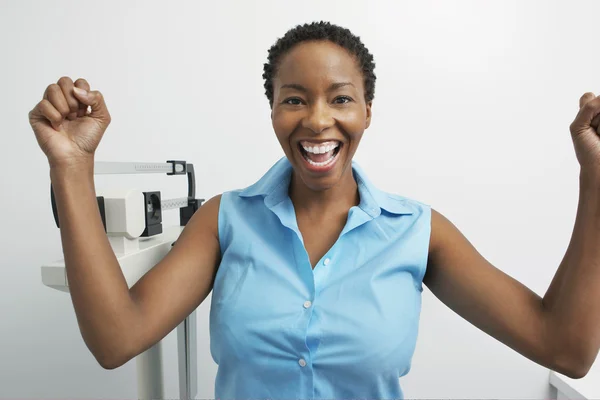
(316,149)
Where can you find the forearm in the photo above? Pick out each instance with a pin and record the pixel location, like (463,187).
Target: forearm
(572,301)
(97,286)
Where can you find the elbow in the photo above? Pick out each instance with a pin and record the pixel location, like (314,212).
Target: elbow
(574,364)
(108,365)
(112,363)
(577,371)
(110,359)
(110,353)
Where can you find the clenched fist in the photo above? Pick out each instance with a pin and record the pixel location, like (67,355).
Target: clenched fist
(65,130)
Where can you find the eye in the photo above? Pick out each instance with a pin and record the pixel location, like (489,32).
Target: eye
(294,101)
(342,100)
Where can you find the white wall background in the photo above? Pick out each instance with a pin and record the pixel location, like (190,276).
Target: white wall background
(471,114)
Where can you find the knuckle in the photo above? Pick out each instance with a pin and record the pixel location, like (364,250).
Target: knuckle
(63,110)
(98,97)
(82,81)
(585,99)
(588,105)
(53,88)
(43,105)
(48,111)
(574,126)
(73,104)
(63,80)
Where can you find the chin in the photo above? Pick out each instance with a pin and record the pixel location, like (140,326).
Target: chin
(319,184)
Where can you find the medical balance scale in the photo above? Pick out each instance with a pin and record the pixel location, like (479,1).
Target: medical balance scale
(132,220)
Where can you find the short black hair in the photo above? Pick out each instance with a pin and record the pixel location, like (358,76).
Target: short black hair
(321,31)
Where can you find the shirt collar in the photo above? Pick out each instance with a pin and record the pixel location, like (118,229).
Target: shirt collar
(275,183)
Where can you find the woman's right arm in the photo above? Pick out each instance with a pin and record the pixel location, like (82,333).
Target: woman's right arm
(116,322)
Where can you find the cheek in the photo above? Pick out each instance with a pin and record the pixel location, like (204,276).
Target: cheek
(282,130)
(355,137)
(282,123)
(353,121)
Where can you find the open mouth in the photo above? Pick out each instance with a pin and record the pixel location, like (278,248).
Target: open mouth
(319,155)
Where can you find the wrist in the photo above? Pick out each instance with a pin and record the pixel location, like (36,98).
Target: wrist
(589,179)
(74,166)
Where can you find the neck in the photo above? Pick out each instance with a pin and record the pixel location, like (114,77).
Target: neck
(337,199)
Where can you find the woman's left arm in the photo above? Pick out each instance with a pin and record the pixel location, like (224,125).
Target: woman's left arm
(560,331)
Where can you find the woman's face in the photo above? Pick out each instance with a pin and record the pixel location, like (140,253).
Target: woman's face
(319,112)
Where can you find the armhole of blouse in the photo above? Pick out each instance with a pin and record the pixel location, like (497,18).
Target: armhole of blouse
(426,216)
(222,220)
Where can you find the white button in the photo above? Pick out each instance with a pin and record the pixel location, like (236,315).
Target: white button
(307,304)
(302,362)
(326,261)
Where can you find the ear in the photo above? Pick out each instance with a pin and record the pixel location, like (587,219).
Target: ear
(368,120)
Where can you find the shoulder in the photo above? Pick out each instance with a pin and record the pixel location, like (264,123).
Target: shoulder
(422,216)
(212,205)
(446,238)
(237,211)
(208,213)
(441,229)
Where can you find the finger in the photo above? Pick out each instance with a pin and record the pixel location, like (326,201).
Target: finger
(586,114)
(95,99)
(585,98)
(595,122)
(56,97)
(46,113)
(82,84)
(66,84)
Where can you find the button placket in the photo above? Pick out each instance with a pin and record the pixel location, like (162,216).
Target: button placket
(321,272)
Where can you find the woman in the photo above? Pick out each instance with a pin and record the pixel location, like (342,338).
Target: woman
(316,274)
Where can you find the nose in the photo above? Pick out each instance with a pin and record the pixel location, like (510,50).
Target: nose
(318,118)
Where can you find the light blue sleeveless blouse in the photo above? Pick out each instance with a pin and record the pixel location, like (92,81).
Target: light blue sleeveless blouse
(345,330)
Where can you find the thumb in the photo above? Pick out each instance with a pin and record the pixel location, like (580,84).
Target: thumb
(95,100)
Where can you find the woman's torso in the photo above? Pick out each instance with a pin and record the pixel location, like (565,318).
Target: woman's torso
(345,329)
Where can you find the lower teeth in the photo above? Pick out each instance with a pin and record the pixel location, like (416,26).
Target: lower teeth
(322,163)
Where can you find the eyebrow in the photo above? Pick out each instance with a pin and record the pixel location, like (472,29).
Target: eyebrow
(332,87)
